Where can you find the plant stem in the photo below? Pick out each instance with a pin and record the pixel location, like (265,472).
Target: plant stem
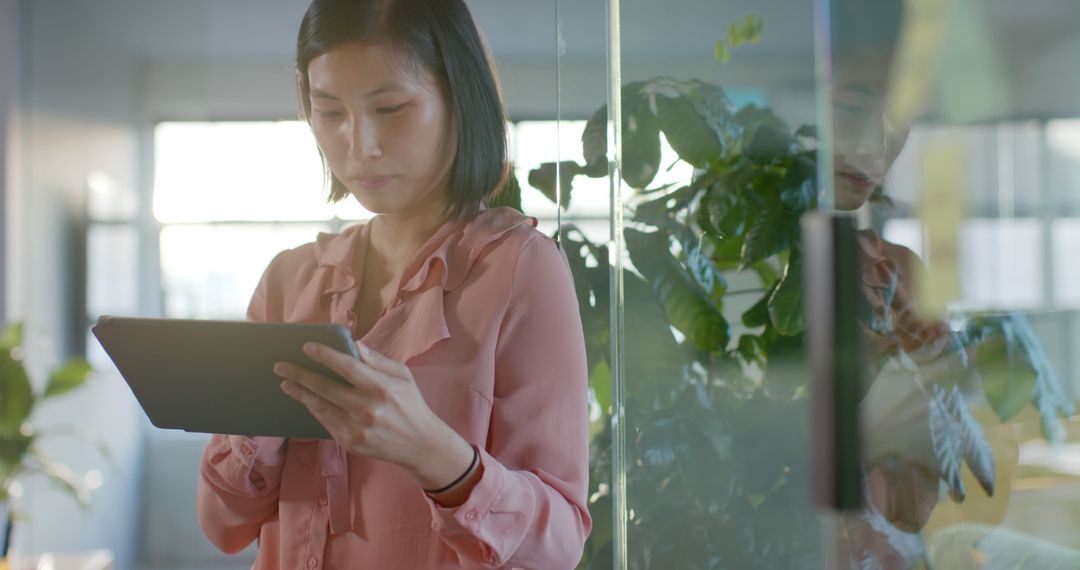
(9,523)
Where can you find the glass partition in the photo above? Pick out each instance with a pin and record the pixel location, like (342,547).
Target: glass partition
(715,162)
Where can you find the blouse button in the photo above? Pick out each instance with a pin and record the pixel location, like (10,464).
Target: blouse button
(470,515)
(312,562)
(245,449)
(322,501)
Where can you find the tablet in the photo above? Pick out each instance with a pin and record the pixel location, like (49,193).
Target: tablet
(217,376)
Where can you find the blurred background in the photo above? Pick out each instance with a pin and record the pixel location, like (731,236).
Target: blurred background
(152,163)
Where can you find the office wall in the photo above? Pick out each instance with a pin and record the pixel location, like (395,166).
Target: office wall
(73,113)
(10,83)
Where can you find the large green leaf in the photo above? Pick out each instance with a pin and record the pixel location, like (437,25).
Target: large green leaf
(660,211)
(726,203)
(640,139)
(589,266)
(786,302)
(1008,377)
(70,376)
(785,376)
(799,185)
(688,307)
(543,179)
(750,118)
(640,144)
(750,349)
(653,360)
(727,252)
(712,104)
(1015,370)
(16,394)
(594,144)
(768,144)
(769,234)
(767,272)
(686,131)
(725,215)
(705,271)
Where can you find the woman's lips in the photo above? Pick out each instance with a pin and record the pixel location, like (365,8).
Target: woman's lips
(371,182)
(857,180)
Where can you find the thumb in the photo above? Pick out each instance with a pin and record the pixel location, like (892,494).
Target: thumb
(381,362)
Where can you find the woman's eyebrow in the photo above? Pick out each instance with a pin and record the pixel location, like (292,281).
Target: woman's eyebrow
(320,94)
(387,87)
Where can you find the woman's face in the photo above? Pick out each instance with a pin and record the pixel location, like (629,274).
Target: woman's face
(384,127)
(865,144)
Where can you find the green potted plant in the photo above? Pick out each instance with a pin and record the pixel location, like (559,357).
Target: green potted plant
(20,453)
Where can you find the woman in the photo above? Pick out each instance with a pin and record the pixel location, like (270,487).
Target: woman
(461,438)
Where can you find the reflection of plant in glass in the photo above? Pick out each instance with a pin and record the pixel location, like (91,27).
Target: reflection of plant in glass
(19,452)
(717,455)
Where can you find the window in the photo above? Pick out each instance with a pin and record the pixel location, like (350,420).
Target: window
(1019,229)
(228,196)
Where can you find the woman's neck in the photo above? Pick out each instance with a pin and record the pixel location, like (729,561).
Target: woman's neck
(398,236)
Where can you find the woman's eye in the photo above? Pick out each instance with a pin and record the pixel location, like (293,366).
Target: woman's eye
(390,109)
(329,114)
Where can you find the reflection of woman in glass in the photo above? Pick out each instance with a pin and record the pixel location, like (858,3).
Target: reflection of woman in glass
(913,355)
(910,356)
(460,439)
(903,348)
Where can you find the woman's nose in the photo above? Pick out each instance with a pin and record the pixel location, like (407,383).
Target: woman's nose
(364,141)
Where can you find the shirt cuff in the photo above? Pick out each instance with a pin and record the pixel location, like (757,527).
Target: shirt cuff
(468,518)
(263,455)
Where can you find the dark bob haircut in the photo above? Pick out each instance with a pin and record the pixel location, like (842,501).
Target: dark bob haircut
(440,36)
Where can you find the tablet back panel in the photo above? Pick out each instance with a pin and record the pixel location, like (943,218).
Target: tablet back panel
(217,376)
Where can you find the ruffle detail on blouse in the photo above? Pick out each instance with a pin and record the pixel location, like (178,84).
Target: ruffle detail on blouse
(416,321)
(450,254)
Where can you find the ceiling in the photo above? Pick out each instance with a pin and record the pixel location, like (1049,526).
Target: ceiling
(515,28)
(669,36)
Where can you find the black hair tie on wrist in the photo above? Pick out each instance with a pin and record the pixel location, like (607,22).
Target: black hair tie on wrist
(475,459)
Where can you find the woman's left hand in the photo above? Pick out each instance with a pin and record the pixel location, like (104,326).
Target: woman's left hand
(380,413)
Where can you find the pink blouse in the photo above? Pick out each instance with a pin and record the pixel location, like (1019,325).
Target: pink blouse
(487,319)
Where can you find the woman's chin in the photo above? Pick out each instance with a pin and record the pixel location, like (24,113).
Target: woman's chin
(849,198)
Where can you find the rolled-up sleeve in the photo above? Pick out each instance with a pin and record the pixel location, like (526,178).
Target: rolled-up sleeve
(529,508)
(240,476)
